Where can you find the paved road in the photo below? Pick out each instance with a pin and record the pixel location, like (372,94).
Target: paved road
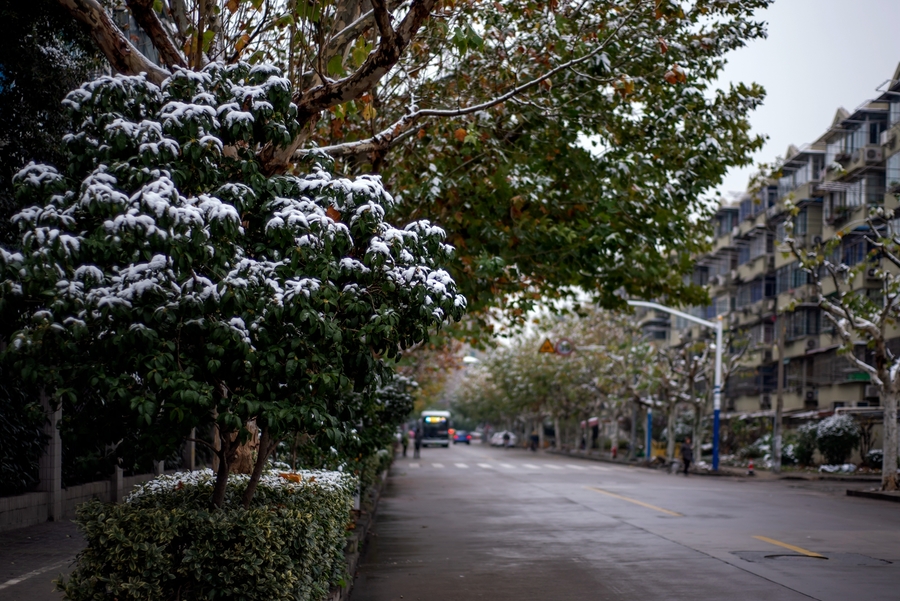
(31,558)
(482,523)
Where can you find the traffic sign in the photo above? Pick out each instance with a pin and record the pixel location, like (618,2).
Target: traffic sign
(564,346)
(547,347)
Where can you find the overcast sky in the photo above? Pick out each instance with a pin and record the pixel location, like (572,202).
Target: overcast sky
(820,54)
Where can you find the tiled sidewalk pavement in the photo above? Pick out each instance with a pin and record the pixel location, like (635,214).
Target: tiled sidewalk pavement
(31,558)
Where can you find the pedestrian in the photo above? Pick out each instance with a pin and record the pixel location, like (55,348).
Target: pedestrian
(405,441)
(687,454)
(506,440)
(535,440)
(420,435)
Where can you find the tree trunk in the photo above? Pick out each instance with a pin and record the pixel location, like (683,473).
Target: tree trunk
(244,460)
(634,420)
(112,42)
(265,448)
(557,433)
(889,465)
(698,432)
(225,456)
(779,403)
(614,443)
(670,434)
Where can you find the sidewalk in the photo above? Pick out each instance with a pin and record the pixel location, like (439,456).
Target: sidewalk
(726,471)
(880,495)
(32,557)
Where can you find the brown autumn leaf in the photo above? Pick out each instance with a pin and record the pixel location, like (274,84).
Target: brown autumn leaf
(232,6)
(663,47)
(460,134)
(420,134)
(333,214)
(242,42)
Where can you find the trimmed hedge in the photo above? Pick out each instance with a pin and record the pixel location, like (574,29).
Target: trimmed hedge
(164,543)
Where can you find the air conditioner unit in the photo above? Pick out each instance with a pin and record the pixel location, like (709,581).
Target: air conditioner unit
(872,273)
(873,154)
(765,402)
(888,138)
(812,343)
(767,356)
(812,395)
(817,241)
(872,391)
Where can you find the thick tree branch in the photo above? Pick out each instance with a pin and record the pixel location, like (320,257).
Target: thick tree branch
(149,21)
(383,21)
(311,103)
(121,54)
(391,136)
(376,66)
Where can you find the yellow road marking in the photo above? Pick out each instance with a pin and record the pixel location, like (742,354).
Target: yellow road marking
(636,502)
(778,543)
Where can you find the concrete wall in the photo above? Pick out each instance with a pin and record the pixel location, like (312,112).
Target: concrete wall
(34,507)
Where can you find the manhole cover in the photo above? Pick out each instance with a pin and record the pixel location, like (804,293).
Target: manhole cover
(830,559)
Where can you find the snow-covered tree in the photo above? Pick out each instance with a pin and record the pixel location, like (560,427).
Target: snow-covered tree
(863,315)
(167,268)
(561,143)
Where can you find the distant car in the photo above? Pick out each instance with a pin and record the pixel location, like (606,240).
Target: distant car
(497,439)
(462,436)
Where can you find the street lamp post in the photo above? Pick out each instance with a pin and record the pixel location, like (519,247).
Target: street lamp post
(717,387)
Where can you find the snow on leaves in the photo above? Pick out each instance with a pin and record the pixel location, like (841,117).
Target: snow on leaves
(199,281)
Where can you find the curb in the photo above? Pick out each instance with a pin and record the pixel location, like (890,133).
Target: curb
(875,494)
(727,473)
(356,539)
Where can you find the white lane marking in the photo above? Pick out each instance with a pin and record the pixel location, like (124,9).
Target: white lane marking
(38,572)
(486,466)
(414,465)
(532,467)
(441,465)
(600,468)
(506,465)
(576,467)
(462,465)
(552,467)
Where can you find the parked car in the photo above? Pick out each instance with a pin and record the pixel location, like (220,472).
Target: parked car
(462,436)
(497,439)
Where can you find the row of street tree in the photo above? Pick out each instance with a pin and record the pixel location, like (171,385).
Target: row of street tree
(615,373)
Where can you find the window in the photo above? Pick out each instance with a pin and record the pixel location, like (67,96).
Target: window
(875,129)
(790,277)
(853,252)
(800,223)
(722,304)
(762,334)
(892,176)
(802,322)
(894,115)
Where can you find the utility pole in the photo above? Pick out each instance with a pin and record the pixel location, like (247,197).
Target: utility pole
(716,326)
(779,398)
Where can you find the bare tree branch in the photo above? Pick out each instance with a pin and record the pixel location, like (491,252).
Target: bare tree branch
(121,54)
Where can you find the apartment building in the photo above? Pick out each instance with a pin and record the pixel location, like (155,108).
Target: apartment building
(756,285)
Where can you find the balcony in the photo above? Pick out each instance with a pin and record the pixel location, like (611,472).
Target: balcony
(840,216)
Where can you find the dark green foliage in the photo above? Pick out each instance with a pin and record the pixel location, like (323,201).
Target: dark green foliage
(805,447)
(164,272)
(43,56)
(22,436)
(167,545)
(836,437)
